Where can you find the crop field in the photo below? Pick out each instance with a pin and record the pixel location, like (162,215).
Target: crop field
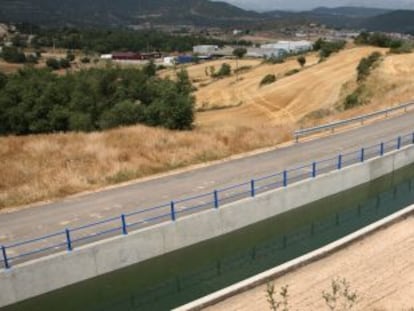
(286,101)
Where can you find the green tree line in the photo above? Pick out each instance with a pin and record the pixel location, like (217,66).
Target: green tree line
(39,101)
(109,40)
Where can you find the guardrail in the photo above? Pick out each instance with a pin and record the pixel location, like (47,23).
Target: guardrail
(71,238)
(332,126)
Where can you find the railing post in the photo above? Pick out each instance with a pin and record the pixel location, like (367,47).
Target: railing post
(382,149)
(314,169)
(252,188)
(285,179)
(362,155)
(68,241)
(339,161)
(399,143)
(5,259)
(124,225)
(172,211)
(413,139)
(216,199)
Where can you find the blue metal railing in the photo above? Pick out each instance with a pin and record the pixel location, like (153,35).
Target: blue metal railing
(70,238)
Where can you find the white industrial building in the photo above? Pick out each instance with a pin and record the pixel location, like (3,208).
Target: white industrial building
(169,61)
(289,46)
(206,50)
(265,52)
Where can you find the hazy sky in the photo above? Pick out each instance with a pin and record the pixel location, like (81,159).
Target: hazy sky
(308,4)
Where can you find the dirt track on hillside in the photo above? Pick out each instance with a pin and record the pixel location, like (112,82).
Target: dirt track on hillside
(380,268)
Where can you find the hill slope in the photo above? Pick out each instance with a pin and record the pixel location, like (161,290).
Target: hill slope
(123,12)
(396,21)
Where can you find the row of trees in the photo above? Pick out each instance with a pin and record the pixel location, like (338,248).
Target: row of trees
(106,41)
(38,101)
(15,55)
(327,48)
(378,39)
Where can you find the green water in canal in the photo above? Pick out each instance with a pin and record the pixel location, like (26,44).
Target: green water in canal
(179,277)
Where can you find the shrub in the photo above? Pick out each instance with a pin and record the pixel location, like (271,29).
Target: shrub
(340,297)
(53,63)
(406,48)
(64,63)
(224,71)
(291,72)
(85,60)
(274,60)
(70,57)
(327,48)
(366,65)
(13,55)
(31,59)
(301,60)
(268,79)
(274,304)
(352,100)
(242,68)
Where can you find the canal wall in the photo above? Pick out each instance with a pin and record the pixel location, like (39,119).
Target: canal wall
(46,274)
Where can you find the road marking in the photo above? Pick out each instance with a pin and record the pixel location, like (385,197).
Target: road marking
(95,215)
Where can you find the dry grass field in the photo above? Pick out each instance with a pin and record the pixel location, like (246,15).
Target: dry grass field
(35,168)
(287,100)
(41,167)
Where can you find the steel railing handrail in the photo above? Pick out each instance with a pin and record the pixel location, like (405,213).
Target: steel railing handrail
(362,118)
(215,199)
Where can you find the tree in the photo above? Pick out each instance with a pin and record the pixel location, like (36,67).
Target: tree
(123,113)
(3,80)
(64,63)
(302,61)
(70,56)
(268,79)
(150,69)
(239,53)
(39,101)
(53,63)
(13,55)
(224,71)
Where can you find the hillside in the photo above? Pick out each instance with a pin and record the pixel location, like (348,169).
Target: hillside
(396,21)
(124,12)
(40,167)
(372,19)
(350,11)
(286,101)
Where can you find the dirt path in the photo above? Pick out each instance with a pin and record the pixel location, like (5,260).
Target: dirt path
(380,268)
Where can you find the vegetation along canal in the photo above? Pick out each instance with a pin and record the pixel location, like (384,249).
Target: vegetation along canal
(179,277)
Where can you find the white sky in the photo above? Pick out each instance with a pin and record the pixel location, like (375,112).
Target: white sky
(261,5)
